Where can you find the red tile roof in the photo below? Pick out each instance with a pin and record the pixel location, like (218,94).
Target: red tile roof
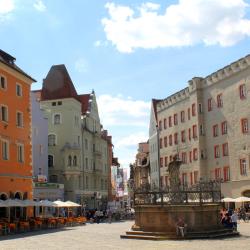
(58,84)
(84,100)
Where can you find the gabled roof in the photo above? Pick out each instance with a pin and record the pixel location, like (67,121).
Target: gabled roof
(155,101)
(84,100)
(58,84)
(9,60)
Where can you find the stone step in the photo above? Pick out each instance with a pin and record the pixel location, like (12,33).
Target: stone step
(150,233)
(145,237)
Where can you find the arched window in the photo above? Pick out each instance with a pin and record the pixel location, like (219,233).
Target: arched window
(57,119)
(74,160)
(54,178)
(69,160)
(50,161)
(3,197)
(52,140)
(18,195)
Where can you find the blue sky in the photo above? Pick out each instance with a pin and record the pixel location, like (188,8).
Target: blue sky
(128,51)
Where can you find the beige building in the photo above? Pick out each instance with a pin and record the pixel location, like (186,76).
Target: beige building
(78,153)
(207,126)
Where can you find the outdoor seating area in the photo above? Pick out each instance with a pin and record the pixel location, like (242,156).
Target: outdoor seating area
(15,215)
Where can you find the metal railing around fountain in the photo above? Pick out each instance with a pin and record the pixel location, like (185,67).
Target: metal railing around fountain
(203,192)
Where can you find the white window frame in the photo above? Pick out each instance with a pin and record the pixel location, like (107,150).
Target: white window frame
(21,121)
(55,143)
(20,152)
(7,113)
(53,161)
(5,82)
(18,85)
(54,120)
(7,150)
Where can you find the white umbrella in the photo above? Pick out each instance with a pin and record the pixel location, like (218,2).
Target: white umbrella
(228,199)
(72,204)
(31,203)
(242,199)
(59,203)
(13,203)
(46,203)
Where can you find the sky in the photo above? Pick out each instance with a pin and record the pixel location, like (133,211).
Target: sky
(128,51)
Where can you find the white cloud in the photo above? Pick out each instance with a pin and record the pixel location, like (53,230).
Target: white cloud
(39,5)
(131,140)
(122,111)
(81,65)
(186,23)
(6,8)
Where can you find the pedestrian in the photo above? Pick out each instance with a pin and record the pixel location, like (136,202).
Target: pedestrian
(110,215)
(234,219)
(181,227)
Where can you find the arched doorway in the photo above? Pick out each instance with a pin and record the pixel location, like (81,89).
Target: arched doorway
(3,210)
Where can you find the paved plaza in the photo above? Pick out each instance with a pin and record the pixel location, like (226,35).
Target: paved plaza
(107,236)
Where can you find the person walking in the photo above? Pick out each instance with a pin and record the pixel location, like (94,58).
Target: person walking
(110,216)
(234,219)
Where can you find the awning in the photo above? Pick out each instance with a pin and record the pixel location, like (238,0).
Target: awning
(228,199)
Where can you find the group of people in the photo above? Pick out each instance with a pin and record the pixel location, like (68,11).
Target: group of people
(230,217)
(97,216)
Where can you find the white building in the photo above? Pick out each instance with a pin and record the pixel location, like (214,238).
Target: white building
(206,125)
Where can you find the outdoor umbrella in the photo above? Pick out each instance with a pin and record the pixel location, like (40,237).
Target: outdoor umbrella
(59,204)
(228,199)
(72,204)
(46,203)
(12,203)
(242,199)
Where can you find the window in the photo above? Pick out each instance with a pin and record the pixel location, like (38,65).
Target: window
(170,158)
(201,129)
(53,103)
(170,121)
(19,89)
(166,161)
(243,167)
(57,119)
(53,178)
(195,154)
(20,153)
(59,103)
(50,161)
(170,140)
(160,125)
(165,141)
(166,181)
(184,179)
(102,184)
(189,134)
(188,113)
(190,156)
(160,142)
(165,123)
(86,144)
(69,160)
(209,105)
(183,116)
(19,119)
(176,138)
(226,173)
(218,174)
(4,113)
(244,125)
(224,128)
(215,130)
(219,101)
(216,151)
(5,150)
(194,131)
(52,140)
(183,136)
(76,121)
(184,157)
(203,154)
(87,182)
(191,178)
(74,160)
(225,149)
(3,82)
(193,109)
(243,92)
(175,119)
(196,174)
(161,162)
(86,163)
(200,108)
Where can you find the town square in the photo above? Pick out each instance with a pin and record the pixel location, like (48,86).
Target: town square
(124,124)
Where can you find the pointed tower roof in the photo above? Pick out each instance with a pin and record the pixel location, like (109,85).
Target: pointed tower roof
(58,84)
(84,100)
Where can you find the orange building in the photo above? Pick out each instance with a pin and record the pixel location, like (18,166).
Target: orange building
(15,130)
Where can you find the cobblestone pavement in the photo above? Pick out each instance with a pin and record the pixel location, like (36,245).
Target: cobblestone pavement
(107,236)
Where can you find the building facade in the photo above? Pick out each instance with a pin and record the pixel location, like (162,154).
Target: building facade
(15,130)
(207,126)
(78,153)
